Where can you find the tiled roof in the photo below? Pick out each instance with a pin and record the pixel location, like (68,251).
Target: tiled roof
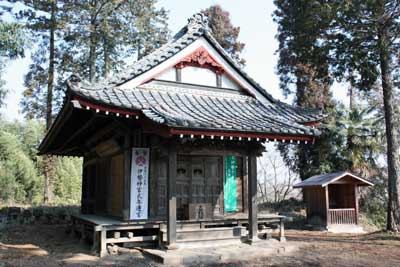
(195,29)
(325,179)
(176,107)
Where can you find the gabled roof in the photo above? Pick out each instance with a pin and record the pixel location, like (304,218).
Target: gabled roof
(326,179)
(194,30)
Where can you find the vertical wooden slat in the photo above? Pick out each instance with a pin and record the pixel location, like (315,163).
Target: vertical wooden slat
(171,193)
(252,196)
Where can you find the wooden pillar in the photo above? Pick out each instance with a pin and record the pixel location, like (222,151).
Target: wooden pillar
(328,217)
(103,244)
(127,177)
(282,237)
(356,203)
(252,197)
(171,193)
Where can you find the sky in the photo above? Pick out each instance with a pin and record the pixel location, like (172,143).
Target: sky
(257,31)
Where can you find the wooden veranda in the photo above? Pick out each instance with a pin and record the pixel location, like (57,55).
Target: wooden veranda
(104,231)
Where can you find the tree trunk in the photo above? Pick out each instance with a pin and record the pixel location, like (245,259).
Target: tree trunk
(106,56)
(393,213)
(92,45)
(351,95)
(48,160)
(50,81)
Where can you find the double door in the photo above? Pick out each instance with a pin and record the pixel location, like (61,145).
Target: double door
(199,181)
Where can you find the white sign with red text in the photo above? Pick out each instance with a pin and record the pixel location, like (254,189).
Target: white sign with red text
(139,183)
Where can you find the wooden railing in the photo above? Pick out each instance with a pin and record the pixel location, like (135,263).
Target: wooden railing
(342,216)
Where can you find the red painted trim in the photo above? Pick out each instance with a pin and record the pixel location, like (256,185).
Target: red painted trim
(102,108)
(243,135)
(216,70)
(313,123)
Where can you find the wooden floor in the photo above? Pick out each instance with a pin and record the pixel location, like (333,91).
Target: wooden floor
(108,221)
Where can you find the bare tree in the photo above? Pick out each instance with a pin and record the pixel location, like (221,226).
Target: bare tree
(275,180)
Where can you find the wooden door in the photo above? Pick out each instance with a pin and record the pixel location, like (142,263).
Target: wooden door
(198,181)
(182,188)
(214,179)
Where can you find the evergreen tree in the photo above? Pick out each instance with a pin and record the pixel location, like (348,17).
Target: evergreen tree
(303,69)
(366,43)
(104,35)
(90,38)
(224,32)
(360,40)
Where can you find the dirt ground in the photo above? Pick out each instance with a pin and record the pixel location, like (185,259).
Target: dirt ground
(48,245)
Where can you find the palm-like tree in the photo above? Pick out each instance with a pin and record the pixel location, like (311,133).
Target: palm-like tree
(361,131)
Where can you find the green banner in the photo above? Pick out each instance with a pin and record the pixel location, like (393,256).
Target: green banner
(230,184)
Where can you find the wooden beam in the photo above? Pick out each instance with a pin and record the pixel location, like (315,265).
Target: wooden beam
(171,193)
(127,176)
(252,197)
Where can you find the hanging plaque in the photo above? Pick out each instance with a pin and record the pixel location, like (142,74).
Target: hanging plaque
(230,199)
(139,183)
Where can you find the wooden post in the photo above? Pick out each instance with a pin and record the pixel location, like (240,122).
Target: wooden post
(245,185)
(282,237)
(127,177)
(328,216)
(171,193)
(103,244)
(356,203)
(252,197)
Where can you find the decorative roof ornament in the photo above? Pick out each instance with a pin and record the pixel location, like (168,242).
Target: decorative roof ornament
(198,20)
(74,78)
(200,57)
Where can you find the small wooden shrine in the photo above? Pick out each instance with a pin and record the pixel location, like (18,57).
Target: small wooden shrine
(172,141)
(332,199)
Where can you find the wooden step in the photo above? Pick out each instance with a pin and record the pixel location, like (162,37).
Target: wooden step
(207,234)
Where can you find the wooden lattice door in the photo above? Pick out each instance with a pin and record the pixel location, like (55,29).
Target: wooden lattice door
(182,188)
(214,192)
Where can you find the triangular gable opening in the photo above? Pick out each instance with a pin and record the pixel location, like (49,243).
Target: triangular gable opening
(200,64)
(200,68)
